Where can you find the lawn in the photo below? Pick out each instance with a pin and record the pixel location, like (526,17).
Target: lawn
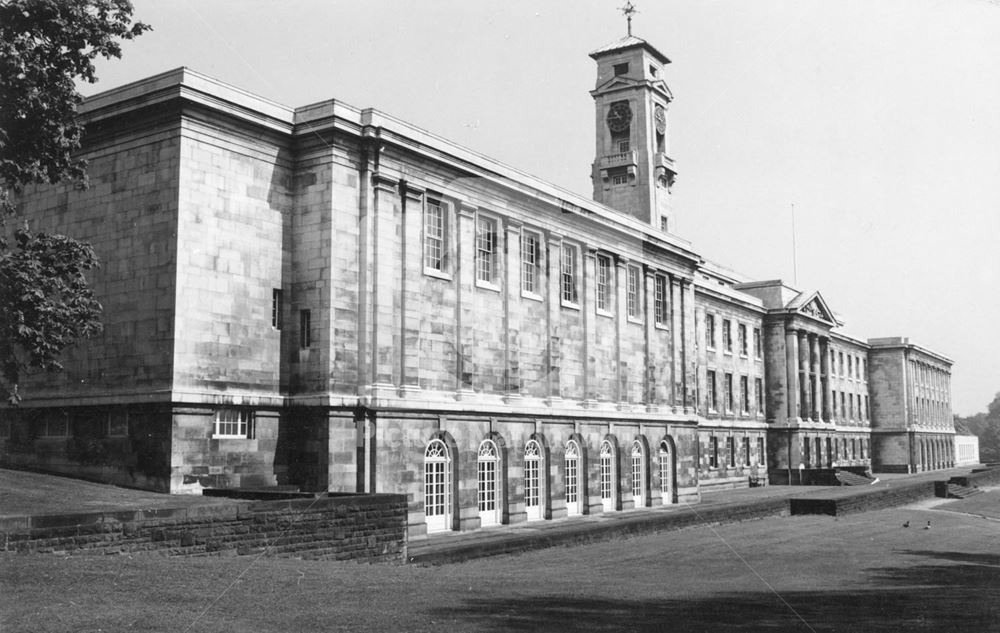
(859,573)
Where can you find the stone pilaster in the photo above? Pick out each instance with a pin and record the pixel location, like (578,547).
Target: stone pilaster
(512,309)
(792,373)
(465,281)
(387,263)
(815,387)
(553,260)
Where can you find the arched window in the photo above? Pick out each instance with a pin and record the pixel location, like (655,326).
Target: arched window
(608,476)
(638,474)
(489,484)
(437,486)
(533,469)
(571,478)
(666,474)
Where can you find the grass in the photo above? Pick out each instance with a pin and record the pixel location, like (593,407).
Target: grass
(858,573)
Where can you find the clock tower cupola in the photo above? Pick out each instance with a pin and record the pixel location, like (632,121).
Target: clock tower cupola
(633,172)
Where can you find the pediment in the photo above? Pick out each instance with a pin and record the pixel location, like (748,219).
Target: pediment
(813,305)
(618,82)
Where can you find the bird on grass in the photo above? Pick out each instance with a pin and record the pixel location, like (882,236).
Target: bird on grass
(907,524)
(928,526)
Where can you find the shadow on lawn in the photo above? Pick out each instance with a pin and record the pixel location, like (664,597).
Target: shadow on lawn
(958,596)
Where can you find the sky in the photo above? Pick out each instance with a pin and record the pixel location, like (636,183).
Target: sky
(866,133)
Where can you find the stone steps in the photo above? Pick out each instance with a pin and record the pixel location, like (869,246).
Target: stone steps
(956,491)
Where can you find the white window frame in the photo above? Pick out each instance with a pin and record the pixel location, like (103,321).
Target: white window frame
(709,330)
(603,285)
(727,336)
(633,293)
(488,480)
(741,336)
(233,423)
(531,264)
(727,392)
(660,316)
(436,236)
(608,477)
(744,395)
(487,251)
(534,466)
(117,423)
(571,478)
(569,275)
(666,474)
(713,390)
(638,474)
(437,486)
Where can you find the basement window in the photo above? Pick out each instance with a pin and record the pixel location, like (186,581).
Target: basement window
(234,423)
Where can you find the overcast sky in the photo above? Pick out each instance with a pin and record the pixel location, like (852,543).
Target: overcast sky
(878,119)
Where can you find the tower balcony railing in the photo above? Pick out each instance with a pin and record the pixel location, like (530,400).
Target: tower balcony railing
(619,160)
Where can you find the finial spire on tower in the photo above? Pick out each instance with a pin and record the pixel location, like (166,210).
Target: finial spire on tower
(628,10)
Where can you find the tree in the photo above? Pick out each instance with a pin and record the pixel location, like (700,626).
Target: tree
(45,47)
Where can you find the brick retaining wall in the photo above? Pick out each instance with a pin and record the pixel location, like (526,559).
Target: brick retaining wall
(356,527)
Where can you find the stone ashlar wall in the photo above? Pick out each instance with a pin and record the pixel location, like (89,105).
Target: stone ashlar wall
(350,527)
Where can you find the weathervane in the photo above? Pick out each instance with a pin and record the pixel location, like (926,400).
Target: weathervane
(627,11)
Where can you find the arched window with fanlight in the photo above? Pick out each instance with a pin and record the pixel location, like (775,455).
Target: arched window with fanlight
(666,460)
(488,468)
(638,474)
(572,478)
(609,478)
(437,486)
(533,468)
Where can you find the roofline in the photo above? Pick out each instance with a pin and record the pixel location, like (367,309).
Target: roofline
(903,342)
(663,59)
(197,87)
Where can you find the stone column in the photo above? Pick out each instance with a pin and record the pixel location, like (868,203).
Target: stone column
(792,373)
(824,351)
(805,404)
(591,379)
(815,387)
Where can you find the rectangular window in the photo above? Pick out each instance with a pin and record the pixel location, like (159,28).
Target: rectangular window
(486,249)
(619,179)
(632,292)
(850,367)
(603,283)
(713,452)
(710,331)
(841,356)
(55,423)
(741,331)
(859,406)
(117,423)
(727,336)
(746,451)
(276,308)
(728,394)
(833,394)
(568,268)
(530,262)
(713,396)
(744,395)
(621,69)
(833,363)
(761,457)
(435,232)
(731,451)
(624,145)
(305,329)
(234,423)
(758,351)
(660,300)
(758,386)
(805,452)
(867,412)
(843,404)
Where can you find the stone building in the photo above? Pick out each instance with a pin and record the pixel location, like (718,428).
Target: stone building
(915,428)
(330,298)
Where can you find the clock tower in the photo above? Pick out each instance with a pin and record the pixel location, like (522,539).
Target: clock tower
(633,172)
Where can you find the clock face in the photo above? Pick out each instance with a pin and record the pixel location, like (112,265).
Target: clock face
(619,117)
(660,116)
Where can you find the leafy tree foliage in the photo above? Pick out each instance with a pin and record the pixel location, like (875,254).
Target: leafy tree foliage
(46,302)
(45,47)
